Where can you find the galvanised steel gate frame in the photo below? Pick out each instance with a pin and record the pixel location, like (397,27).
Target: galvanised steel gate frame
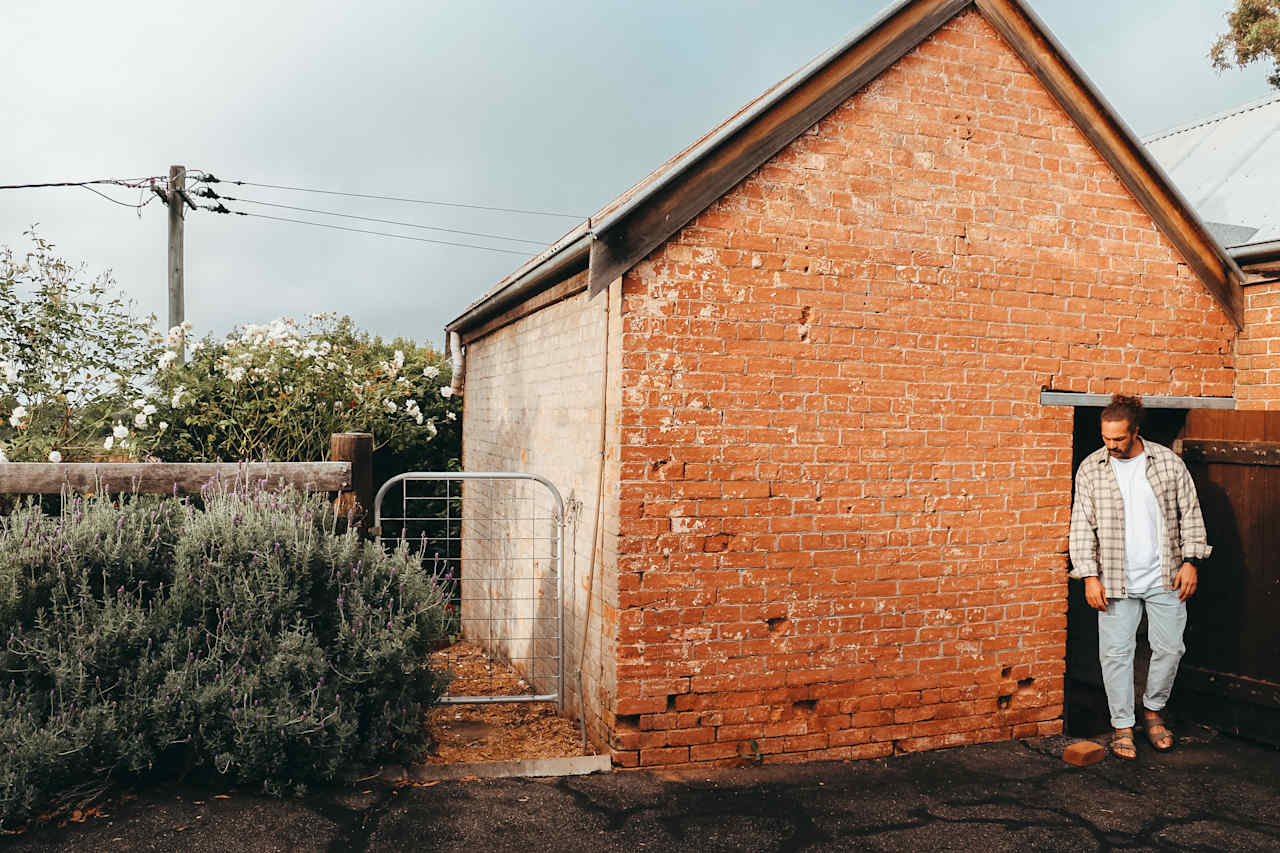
(451,542)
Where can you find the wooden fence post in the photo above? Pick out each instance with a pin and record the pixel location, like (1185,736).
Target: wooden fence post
(357,500)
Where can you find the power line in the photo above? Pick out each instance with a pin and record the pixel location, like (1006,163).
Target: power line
(132,183)
(364,231)
(154,184)
(137,206)
(208,193)
(211,179)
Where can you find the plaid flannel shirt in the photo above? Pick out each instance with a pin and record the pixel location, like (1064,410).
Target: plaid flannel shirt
(1097,518)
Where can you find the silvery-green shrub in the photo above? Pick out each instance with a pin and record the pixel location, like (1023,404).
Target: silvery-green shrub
(235,638)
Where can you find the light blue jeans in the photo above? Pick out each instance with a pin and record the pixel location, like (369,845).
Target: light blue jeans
(1117,639)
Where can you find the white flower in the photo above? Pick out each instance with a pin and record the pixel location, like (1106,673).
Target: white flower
(55,456)
(164,425)
(417,418)
(10,371)
(451,416)
(167,359)
(235,374)
(148,410)
(19,414)
(120,431)
(431,425)
(185,325)
(109,443)
(140,420)
(138,404)
(446,392)
(178,393)
(390,404)
(398,359)
(431,371)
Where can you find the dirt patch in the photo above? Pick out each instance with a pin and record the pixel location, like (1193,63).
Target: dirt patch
(505,732)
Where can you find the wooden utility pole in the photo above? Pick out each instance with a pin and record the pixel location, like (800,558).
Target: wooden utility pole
(177,191)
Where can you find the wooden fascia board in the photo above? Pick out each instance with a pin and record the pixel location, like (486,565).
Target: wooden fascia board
(627,242)
(1121,151)
(571,286)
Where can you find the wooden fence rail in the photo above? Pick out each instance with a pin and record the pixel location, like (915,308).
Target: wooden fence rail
(349,472)
(44,478)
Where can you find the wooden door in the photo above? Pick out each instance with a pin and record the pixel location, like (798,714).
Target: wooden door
(1230,677)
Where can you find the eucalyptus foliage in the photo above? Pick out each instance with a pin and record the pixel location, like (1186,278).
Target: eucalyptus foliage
(241,640)
(1253,33)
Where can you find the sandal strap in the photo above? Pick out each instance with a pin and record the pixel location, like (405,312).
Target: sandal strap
(1122,745)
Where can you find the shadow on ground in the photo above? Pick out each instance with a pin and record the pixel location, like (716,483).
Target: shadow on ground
(1211,793)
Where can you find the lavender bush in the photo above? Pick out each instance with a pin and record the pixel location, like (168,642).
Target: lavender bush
(240,640)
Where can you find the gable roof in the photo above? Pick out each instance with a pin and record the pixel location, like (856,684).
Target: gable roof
(1229,167)
(626,230)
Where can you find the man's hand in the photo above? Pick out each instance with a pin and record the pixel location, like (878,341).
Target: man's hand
(1095,594)
(1185,581)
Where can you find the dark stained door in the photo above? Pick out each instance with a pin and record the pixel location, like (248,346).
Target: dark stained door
(1230,677)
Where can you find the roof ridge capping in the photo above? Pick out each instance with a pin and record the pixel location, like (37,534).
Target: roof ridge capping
(1249,106)
(627,229)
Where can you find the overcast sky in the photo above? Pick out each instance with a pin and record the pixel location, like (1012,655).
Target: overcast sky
(555,106)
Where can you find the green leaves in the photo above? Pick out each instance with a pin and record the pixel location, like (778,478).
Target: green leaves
(1253,33)
(71,355)
(278,392)
(241,641)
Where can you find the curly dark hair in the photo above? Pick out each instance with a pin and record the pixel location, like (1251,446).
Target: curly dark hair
(1122,408)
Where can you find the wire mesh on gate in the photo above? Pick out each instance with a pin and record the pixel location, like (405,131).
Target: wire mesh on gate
(495,540)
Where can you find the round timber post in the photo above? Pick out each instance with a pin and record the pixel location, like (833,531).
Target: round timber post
(355,503)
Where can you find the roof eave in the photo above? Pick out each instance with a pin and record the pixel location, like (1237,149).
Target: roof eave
(629,228)
(566,257)
(1256,253)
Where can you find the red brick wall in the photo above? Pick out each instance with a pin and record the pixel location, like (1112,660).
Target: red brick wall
(843,510)
(1258,349)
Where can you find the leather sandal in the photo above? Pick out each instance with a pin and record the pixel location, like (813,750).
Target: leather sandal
(1122,746)
(1157,732)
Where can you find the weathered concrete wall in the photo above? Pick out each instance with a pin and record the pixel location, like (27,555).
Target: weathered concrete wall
(533,403)
(843,510)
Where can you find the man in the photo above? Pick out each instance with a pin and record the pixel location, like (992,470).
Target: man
(1136,538)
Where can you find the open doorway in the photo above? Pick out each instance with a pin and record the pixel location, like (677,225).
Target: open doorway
(1085,702)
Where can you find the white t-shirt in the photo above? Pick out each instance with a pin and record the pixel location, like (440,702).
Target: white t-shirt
(1141,525)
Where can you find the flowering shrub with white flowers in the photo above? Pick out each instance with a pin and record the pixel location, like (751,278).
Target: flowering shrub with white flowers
(81,378)
(279,391)
(72,356)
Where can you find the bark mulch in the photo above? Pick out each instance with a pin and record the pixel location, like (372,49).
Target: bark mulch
(501,732)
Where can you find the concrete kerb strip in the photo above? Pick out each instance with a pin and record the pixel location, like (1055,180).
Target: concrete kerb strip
(532,768)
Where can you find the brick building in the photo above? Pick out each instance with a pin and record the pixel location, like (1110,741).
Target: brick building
(795,383)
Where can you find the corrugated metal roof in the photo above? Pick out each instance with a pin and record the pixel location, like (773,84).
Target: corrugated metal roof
(570,252)
(1228,167)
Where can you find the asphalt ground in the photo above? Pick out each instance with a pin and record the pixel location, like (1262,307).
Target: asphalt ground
(1211,793)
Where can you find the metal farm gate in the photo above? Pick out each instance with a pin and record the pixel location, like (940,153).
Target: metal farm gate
(496,540)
